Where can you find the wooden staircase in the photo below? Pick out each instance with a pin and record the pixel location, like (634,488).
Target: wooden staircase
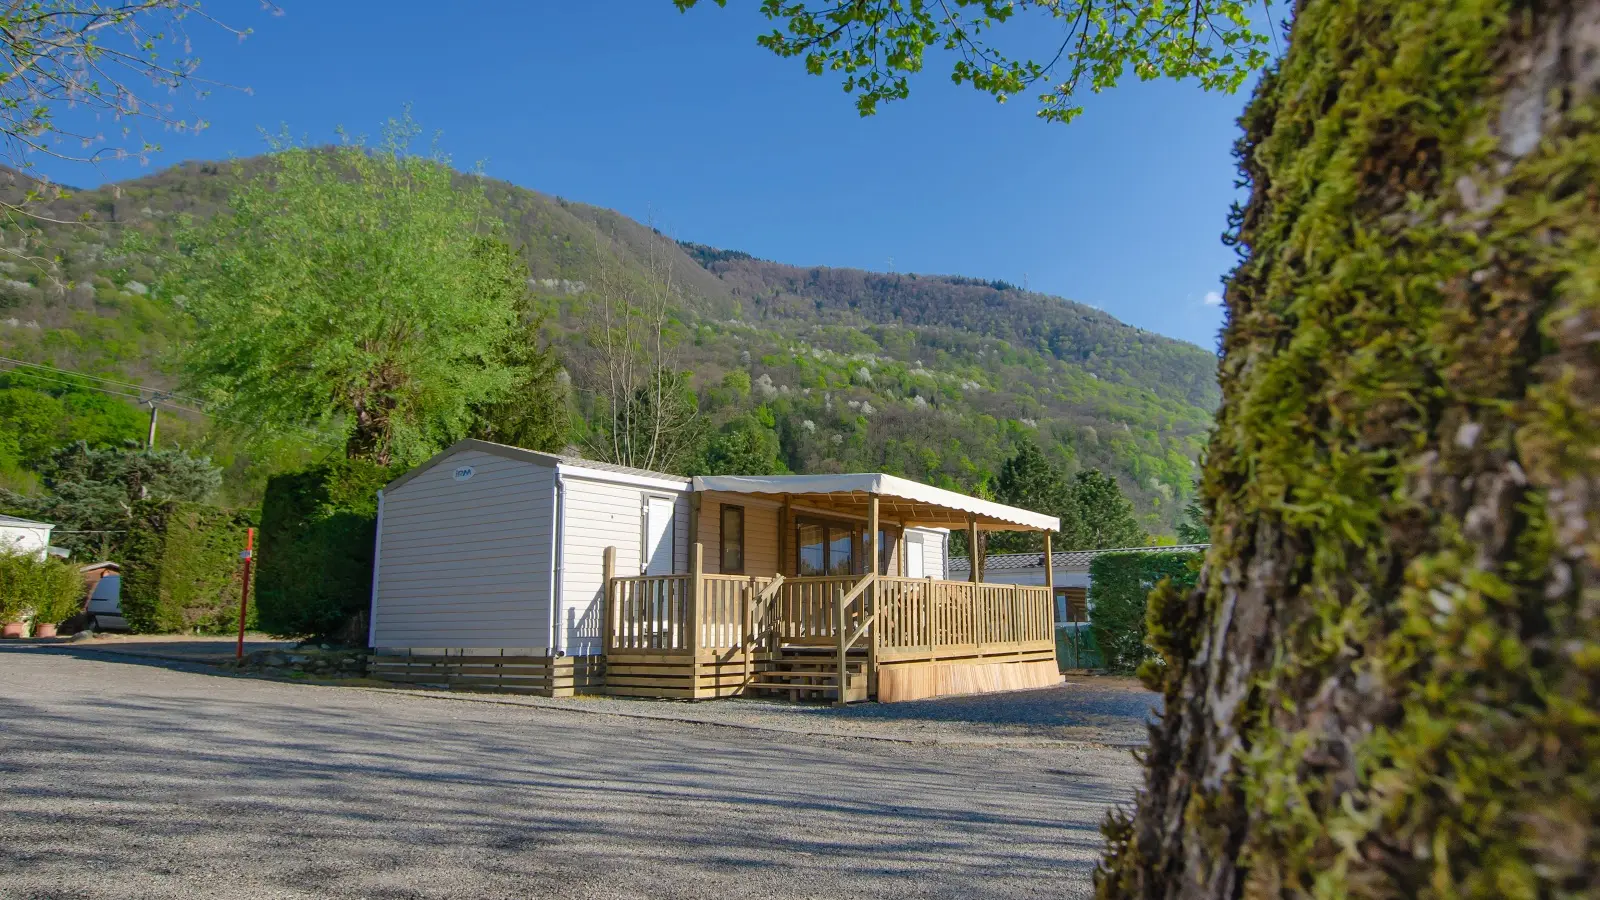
(811,673)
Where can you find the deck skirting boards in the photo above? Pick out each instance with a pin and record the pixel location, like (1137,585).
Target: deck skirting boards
(946,678)
(504,671)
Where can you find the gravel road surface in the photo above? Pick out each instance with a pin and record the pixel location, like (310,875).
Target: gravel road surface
(127,779)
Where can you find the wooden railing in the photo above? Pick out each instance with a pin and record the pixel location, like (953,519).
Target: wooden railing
(648,612)
(728,617)
(918,613)
(806,609)
(653,612)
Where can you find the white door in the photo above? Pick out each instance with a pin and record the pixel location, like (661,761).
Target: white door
(914,567)
(658,535)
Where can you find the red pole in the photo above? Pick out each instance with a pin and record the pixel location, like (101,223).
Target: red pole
(244,594)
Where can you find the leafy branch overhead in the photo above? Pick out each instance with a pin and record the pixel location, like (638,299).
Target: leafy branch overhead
(96,62)
(878,44)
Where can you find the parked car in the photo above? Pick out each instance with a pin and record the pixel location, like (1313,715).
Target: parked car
(104,612)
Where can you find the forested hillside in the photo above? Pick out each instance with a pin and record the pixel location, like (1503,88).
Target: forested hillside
(933,377)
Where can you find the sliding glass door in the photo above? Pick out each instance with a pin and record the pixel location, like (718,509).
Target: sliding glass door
(829,547)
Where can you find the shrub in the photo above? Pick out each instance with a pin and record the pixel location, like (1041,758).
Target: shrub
(181,569)
(317,532)
(47,590)
(1119,584)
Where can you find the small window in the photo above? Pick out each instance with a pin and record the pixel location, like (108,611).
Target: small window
(732,540)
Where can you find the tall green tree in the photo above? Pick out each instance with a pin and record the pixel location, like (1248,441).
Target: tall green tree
(1104,516)
(748,445)
(349,287)
(1193,528)
(1383,683)
(1028,480)
(535,413)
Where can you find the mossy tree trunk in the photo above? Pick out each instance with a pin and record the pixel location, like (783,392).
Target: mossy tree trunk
(1385,683)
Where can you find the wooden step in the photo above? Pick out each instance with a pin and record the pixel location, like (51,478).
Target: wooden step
(808,679)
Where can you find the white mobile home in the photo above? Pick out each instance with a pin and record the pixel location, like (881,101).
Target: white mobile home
(502,567)
(489,547)
(25,536)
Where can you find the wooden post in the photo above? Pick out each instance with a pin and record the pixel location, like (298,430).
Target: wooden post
(697,568)
(694,520)
(747,636)
(784,520)
(606,612)
(839,639)
(972,548)
(869,603)
(1050,585)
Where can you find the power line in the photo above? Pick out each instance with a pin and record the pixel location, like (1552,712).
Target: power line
(99,378)
(156,396)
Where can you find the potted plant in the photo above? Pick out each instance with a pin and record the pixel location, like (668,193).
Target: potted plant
(15,576)
(42,589)
(59,597)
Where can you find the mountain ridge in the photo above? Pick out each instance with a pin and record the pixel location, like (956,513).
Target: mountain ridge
(931,376)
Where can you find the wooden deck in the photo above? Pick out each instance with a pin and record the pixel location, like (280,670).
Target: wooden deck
(700,636)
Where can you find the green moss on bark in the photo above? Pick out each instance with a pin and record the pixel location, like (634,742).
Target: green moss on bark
(1386,682)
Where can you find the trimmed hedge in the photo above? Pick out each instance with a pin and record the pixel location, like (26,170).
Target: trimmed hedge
(317,531)
(1119,584)
(180,568)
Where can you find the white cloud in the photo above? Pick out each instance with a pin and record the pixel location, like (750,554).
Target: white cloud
(1213,298)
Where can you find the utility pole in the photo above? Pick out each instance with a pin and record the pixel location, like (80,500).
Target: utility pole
(150,437)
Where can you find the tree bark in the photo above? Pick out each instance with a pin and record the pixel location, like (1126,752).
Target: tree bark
(1385,683)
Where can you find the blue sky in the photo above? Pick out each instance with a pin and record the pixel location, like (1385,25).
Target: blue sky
(681,119)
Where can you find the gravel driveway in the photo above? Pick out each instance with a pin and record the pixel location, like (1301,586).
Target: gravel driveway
(128,780)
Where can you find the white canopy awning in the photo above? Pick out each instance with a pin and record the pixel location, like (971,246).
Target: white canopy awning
(900,499)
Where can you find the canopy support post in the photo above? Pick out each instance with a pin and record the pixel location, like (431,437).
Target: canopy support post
(870,604)
(972,548)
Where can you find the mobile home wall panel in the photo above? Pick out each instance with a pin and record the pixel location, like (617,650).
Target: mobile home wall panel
(601,514)
(465,564)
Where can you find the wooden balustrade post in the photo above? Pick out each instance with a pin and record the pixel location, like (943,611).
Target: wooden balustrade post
(609,593)
(697,568)
(747,635)
(927,613)
(839,639)
(1019,614)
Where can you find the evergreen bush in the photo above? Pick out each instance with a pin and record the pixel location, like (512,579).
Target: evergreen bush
(180,568)
(1119,583)
(317,532)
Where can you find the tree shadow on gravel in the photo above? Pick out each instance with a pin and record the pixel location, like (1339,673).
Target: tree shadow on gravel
(137,782)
